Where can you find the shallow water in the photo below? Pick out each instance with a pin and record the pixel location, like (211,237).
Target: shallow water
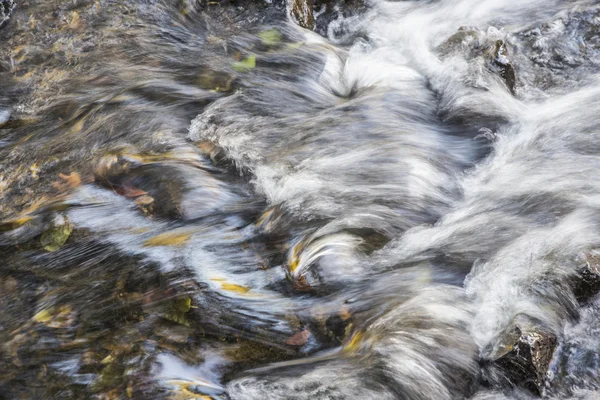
(205,199)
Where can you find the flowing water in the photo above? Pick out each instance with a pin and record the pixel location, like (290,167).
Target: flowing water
(205,200)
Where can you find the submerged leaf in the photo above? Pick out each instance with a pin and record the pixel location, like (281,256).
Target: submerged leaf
(270,37)
(43,316)
(354,343)
(14,223)
(56,236)
(235,288)
(183,305)
(67,182)
(168,239)
(299,339)
(245,65)
(53,317)
(178,310)
(295,46)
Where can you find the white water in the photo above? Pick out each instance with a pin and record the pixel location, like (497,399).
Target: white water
(385,139)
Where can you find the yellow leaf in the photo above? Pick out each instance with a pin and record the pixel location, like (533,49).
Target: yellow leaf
(183,305)
(14,223)
(234,288)
(294,265)
(43,316)
(108,359)
(354,342)
(168,239)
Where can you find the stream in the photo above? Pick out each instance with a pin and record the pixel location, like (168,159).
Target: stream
(207,200)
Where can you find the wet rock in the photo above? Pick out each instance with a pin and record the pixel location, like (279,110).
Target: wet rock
(522,355)
(561,51)
(480,46)
(317,15)
(6,7)
(302,12)
(156,188)
(502,65)
(587,283)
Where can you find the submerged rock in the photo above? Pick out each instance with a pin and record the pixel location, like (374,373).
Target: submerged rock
(6,7)
(523,354)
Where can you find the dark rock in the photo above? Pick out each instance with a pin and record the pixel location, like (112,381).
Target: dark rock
(522,355)
(587,283)
(503,66)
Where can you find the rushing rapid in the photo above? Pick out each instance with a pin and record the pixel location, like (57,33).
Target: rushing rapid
(211,200)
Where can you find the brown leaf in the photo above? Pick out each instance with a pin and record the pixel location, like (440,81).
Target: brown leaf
(130,191)
(70,181)
(299,338)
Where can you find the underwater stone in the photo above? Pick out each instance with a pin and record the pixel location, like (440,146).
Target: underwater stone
(6,7)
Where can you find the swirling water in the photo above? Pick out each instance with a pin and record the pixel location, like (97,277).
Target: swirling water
(260,211)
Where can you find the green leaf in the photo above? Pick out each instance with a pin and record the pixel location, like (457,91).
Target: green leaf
(56,236)
(270,37)
(178,310)
(245,65)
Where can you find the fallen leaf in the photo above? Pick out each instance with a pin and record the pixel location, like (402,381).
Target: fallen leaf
(295,46)
(178,310)
(354,342)
(299,338)
(130,191)
(234,288)
(43,316)
(70,181)
(246,64)
(168,239)
(56,236)
(53,317)
(14,223)
(270,37)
